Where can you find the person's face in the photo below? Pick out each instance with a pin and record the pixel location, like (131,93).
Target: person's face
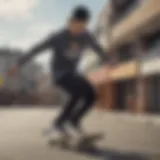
(78,27)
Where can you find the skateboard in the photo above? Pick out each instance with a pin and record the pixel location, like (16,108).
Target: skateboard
(81,144)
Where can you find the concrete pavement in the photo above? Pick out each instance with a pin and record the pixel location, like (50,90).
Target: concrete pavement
(127,137)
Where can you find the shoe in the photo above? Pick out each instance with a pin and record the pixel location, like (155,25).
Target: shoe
(74,131)
(55,134)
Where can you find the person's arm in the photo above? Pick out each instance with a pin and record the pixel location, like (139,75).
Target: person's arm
(98,49)
(46,44)
(49,42)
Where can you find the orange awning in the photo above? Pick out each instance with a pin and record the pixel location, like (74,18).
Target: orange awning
(120,72)
(123,71)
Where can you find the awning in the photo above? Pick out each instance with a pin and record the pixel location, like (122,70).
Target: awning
(120,72)
(123,71)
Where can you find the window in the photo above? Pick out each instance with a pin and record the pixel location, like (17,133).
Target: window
(125,89)
(126,53)
(152,43)
(154,94)
(121,8)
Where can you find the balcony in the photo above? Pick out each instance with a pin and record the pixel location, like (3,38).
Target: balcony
(123,71)
(121,9)
(139,22)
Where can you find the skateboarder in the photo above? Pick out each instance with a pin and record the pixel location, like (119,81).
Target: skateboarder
(68,45)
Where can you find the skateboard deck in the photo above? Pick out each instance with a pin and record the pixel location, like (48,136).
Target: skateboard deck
(85,142)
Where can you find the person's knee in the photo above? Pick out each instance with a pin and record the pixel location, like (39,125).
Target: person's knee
(91,95)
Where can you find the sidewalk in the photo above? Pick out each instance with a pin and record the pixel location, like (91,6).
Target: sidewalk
(127,132)
(125,135)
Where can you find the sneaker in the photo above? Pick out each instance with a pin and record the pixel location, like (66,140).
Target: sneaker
(55,134)
(74,131)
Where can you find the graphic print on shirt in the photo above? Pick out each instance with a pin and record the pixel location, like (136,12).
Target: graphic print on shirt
(73,51)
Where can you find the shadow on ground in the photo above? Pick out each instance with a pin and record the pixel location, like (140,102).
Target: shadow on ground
(87,147)
(107,154)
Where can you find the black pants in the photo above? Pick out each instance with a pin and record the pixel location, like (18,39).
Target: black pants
(79,89)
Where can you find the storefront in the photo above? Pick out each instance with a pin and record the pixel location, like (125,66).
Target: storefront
(125,95)
(110,83)
(99,79)
(118,93)
(151,71)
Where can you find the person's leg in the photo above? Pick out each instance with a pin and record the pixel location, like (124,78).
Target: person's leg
(89,96)
(72,85)
(66,111)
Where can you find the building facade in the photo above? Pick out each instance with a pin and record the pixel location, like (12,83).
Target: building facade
(26,80)
(133,40)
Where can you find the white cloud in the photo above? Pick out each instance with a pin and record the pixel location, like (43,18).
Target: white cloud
(12,9)
(35,33)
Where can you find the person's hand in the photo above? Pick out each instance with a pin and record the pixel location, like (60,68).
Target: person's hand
(14,70)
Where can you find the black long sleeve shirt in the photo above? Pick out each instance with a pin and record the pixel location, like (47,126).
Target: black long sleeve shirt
(67,50)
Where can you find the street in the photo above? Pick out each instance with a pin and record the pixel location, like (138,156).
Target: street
(127,137)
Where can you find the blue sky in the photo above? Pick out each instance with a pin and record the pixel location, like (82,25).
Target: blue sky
(25,22)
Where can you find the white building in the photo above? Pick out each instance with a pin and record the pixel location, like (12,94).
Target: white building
(91,61)
(26,80)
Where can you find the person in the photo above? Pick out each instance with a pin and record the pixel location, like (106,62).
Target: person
(68,45)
